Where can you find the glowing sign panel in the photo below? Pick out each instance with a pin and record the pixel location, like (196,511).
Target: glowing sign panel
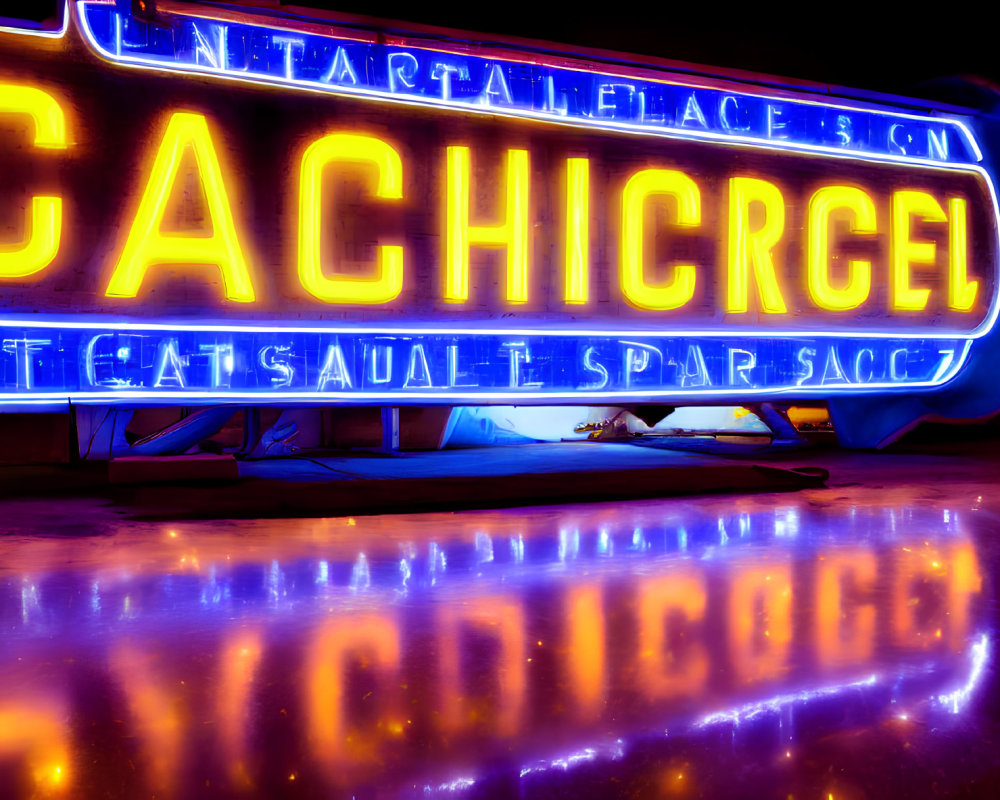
(187,241)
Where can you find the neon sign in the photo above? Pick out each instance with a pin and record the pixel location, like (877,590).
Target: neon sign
(440,226)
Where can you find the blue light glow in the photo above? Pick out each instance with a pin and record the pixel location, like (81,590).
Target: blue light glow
(337,364)
(775,704)
(427,74)
(957,700)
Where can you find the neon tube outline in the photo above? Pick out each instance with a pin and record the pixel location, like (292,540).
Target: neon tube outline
(58,33)
(336,89)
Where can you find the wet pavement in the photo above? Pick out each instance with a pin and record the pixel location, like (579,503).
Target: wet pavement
(832,642)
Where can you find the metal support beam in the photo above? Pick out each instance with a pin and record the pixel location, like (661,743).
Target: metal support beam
(390,429)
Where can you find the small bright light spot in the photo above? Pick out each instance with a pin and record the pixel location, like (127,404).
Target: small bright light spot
(351,522)
(291,777)
(937,633)
(539,642)
(936,564)
(172,534)
(680,776)
(788,754)
(904,717)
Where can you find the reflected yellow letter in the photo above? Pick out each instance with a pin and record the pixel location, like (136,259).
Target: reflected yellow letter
(585,654)
(859,273)
(502,619)
(341,147)
(43,226)
(907,203)
(147,246)
(753,248)
(846,610)
(664,672)
(640,187)
(238,665)
(961,291)
(512,234)
(760,621)
(577,230)
(337,739)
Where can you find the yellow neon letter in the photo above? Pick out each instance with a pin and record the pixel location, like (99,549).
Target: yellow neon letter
(577,229)
(905,204)
(349,147)
(43,226)
(512,233)
(641,186)
(147,246)
(859,273)
(748,248)
(961,291)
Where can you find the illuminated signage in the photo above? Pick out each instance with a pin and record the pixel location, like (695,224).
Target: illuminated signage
(401,223)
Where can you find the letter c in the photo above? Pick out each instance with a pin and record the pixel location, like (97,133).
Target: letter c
(44,223)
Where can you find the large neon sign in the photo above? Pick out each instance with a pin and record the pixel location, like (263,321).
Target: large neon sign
(451,226)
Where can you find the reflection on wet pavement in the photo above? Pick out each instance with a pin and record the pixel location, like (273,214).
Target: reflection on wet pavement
(718,646)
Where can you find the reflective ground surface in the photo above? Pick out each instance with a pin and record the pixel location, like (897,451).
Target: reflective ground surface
(829,643)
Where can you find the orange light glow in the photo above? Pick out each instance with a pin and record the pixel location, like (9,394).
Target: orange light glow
(662,670)
(502,619)
(370,640)
(156,703)
(238,666)
(585,653)
(845,630)
(760,621)
(39,734)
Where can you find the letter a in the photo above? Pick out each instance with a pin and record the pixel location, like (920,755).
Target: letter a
(147,246)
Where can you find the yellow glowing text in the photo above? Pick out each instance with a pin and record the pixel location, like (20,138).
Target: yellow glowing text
(340,148)
(147,246)
(43,225)
(511,234)
(751,250)
(640,187)
(577,230)
(961,291)
(859,273)
(905,251)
